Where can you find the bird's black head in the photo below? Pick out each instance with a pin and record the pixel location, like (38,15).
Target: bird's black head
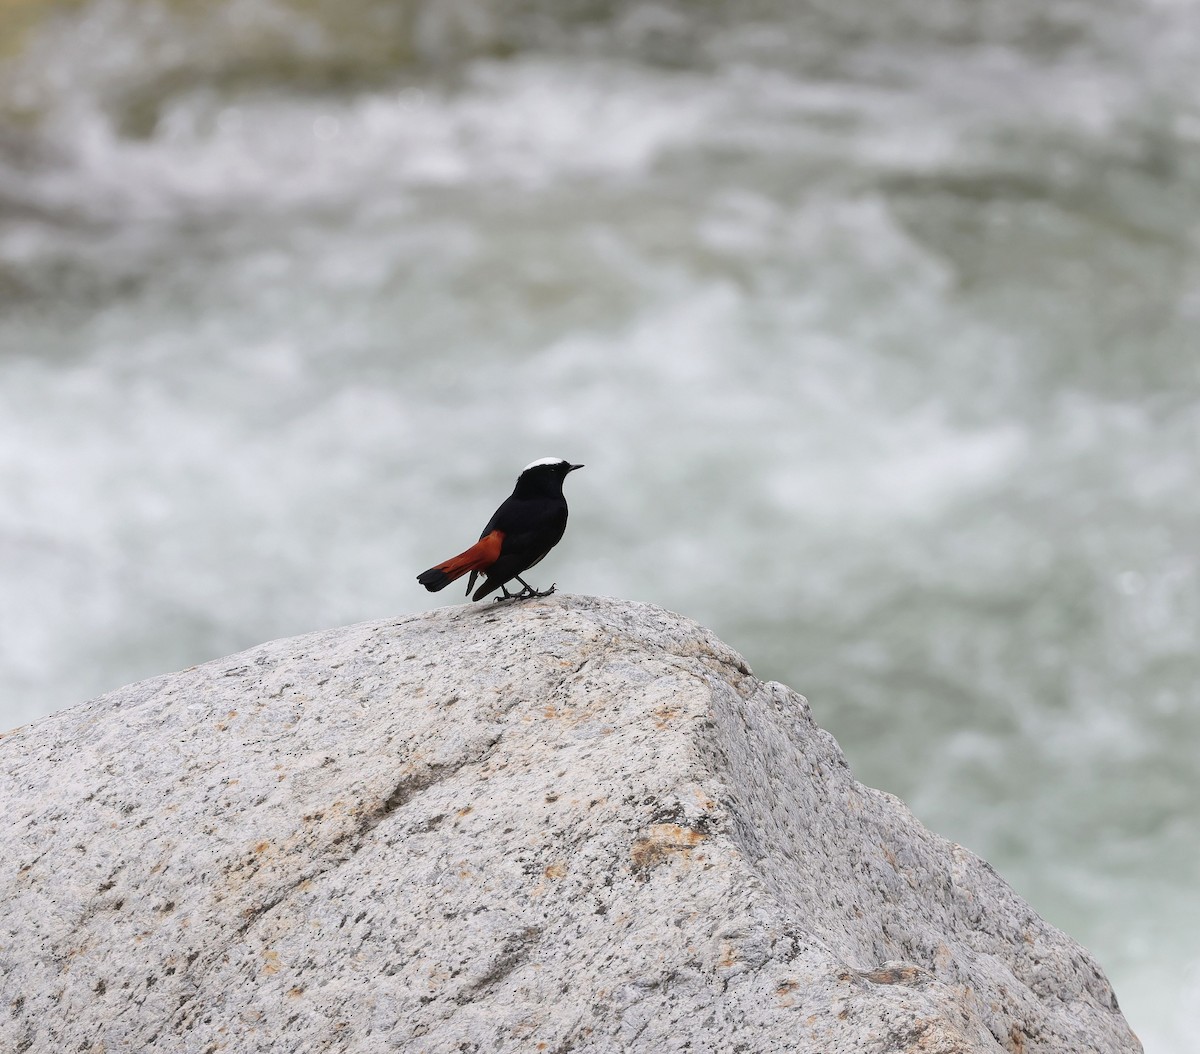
(543,477)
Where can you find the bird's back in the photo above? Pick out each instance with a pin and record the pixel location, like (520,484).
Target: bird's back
(533,524)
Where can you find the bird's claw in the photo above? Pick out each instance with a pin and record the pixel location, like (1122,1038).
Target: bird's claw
(527,593)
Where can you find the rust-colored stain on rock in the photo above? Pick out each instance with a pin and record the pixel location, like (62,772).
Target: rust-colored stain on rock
(664,714)
(662,841)
(907,975)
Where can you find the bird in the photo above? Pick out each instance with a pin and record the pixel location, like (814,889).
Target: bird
(529,523)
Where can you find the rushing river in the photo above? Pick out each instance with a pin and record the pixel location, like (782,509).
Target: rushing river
(876,325)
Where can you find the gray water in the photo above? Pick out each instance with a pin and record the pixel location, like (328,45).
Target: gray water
(875,325)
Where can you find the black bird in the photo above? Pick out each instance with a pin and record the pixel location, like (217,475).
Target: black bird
(522,531)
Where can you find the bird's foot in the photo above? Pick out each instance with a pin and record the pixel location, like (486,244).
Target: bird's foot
(527,592)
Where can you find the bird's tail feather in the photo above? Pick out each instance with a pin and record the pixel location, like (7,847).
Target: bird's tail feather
(478,558)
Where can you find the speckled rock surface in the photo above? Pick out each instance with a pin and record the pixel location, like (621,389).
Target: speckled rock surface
(567,824)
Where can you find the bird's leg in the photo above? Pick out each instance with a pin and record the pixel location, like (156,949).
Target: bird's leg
(529,591)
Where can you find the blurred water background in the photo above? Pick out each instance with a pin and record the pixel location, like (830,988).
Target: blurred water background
(875,325)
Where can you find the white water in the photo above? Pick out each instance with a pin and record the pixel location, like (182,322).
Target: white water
(880,346)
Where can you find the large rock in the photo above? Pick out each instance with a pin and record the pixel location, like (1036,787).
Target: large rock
(563,825)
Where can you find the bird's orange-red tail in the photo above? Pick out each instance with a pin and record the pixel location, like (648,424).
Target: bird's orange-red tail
(479,557)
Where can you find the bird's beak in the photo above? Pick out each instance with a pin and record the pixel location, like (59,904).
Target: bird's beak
(574,467)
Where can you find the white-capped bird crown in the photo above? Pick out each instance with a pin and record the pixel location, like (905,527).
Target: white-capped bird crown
(544,461)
